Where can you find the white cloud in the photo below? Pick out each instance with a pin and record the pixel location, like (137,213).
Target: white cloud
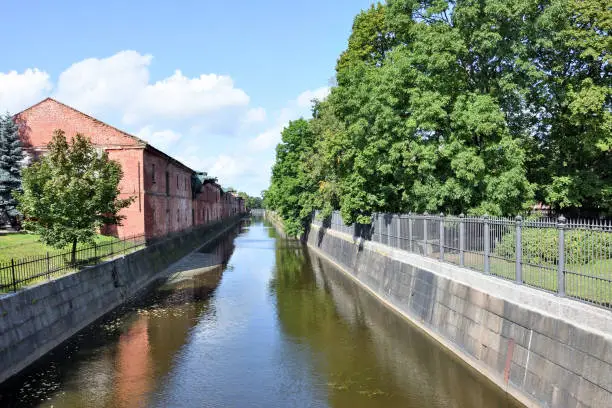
(255,115)
(98,85)
(266,139)
(179,97)
(304,100)
(120,84)
(161,139)
(300,107)
(18,91)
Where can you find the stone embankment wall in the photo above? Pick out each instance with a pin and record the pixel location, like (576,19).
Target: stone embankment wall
(541,349)
(37,319)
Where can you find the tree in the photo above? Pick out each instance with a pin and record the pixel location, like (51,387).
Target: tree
(291,190)
(11,156)
(461,106)
(71,192)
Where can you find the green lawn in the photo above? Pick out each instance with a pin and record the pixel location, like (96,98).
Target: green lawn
(30,256)
(591,282)
(25,245)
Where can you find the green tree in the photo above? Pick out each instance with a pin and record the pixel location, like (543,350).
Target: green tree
(71,192)
(11,156)
(291,190)
(462,106)
(572,89)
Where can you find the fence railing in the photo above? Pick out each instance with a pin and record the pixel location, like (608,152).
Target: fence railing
(571,258)
(22,271)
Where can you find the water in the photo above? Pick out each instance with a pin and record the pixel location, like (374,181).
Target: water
(255,321)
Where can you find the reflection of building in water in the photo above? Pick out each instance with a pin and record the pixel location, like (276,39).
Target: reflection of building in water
(181,303)
(134,371)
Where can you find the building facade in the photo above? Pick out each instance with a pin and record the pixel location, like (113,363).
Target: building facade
(168,195)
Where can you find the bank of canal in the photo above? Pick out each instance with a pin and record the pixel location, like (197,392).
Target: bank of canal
(256,321)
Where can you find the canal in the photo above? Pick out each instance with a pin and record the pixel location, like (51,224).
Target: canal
(253,321)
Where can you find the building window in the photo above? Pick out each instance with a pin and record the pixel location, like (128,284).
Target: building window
(177,183)
(167,183)
(178,217)
(153,173)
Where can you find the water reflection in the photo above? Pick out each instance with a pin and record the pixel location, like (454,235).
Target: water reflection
(254,321)
(120,360)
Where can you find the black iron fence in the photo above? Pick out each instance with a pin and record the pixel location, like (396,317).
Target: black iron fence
(571,258)
(22,271)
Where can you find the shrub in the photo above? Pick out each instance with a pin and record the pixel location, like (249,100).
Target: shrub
(541,245)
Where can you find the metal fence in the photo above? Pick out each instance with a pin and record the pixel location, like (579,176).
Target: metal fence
(568,257)
(22,271)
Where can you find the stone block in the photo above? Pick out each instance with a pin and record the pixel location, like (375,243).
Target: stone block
(493,322)
(598,372)
(518,333)
(495,305)
(558,353)
(593,396)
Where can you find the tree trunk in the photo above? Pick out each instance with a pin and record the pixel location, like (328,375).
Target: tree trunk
(74,243)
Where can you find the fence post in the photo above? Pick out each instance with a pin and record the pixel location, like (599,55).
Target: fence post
(13,273)
(379,227)
(441,246)
(518,252)
(426,215)
(561,257)
(410,232)
(487,244)
(95,252)
(48,266)
(461,240)
(399,231)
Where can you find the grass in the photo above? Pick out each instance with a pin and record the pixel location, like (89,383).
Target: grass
(27,245)
(591,282)
(33,266)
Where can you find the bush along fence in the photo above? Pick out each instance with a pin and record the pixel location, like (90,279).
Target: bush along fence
(568,257)
(23,271)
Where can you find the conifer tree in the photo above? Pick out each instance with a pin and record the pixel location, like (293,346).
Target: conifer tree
(11,156)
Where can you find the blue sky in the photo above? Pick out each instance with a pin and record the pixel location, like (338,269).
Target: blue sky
(211,83)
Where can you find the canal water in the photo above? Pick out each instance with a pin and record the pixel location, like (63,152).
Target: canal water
(255,320)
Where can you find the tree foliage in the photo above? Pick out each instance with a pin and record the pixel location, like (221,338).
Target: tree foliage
(71,192)
(461,106)
(11,156)
(291,192)
(251,202)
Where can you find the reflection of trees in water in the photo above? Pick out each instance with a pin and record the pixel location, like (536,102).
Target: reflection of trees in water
(370,356)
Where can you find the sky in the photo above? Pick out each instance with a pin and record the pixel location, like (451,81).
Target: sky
(210,83)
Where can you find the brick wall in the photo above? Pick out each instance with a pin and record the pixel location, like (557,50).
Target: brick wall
(131,185)
(168,193)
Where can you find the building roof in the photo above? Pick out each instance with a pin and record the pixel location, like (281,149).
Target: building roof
(146,145)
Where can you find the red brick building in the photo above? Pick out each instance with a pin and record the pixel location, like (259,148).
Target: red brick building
(169,196)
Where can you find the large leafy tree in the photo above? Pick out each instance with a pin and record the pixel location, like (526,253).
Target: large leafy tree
(71,192)
(11,156)
(465,106)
